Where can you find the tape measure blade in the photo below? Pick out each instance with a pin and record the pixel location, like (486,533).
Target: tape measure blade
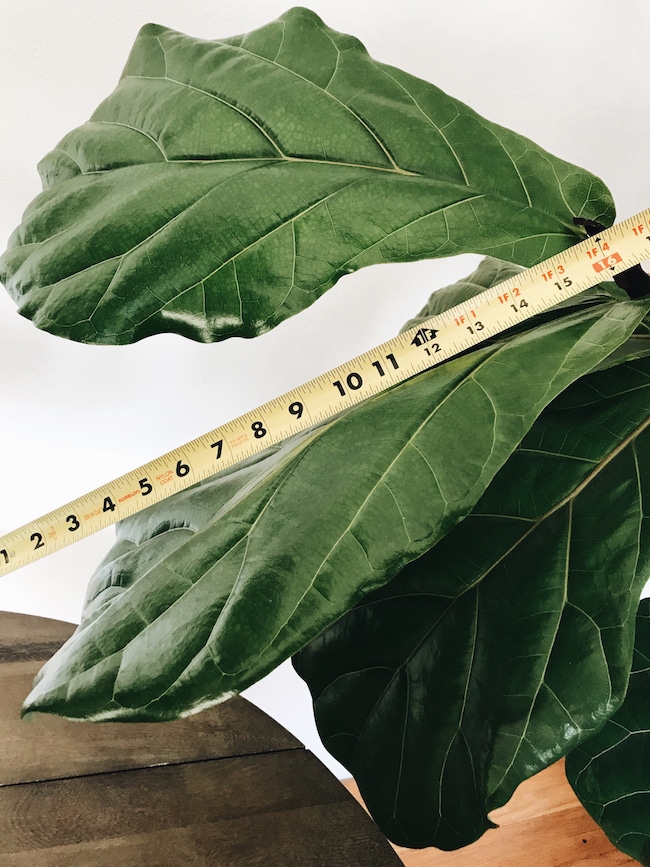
(434,341)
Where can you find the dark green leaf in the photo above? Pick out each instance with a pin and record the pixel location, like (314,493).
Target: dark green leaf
(610,772)
(510,641)
(225,185)
(208,591)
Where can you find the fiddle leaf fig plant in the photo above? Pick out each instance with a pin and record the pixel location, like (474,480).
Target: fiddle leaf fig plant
(455,564)
(209,590)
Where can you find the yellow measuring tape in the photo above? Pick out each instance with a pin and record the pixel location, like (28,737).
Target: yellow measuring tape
(503,306)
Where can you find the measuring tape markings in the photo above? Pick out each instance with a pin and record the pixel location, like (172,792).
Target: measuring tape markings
(435,340)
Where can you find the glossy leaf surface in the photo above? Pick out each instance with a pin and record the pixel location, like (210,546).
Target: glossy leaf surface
(224,186)
(206,592)
(510,641)
(610,772)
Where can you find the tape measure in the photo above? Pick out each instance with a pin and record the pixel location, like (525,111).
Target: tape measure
(601,257)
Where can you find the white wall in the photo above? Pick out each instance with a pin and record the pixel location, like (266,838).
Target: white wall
(572,76)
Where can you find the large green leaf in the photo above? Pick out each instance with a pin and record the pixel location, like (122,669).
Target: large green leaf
(510,641)
(610,772)
(208,591)
(224,186)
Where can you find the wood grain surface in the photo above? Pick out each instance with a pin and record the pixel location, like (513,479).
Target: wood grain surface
(543,825)
(26,754)
(227,787)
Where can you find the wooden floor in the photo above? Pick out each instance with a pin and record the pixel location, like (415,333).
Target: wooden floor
(543,825)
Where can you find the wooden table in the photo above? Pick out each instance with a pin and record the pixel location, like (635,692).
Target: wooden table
(228,786)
